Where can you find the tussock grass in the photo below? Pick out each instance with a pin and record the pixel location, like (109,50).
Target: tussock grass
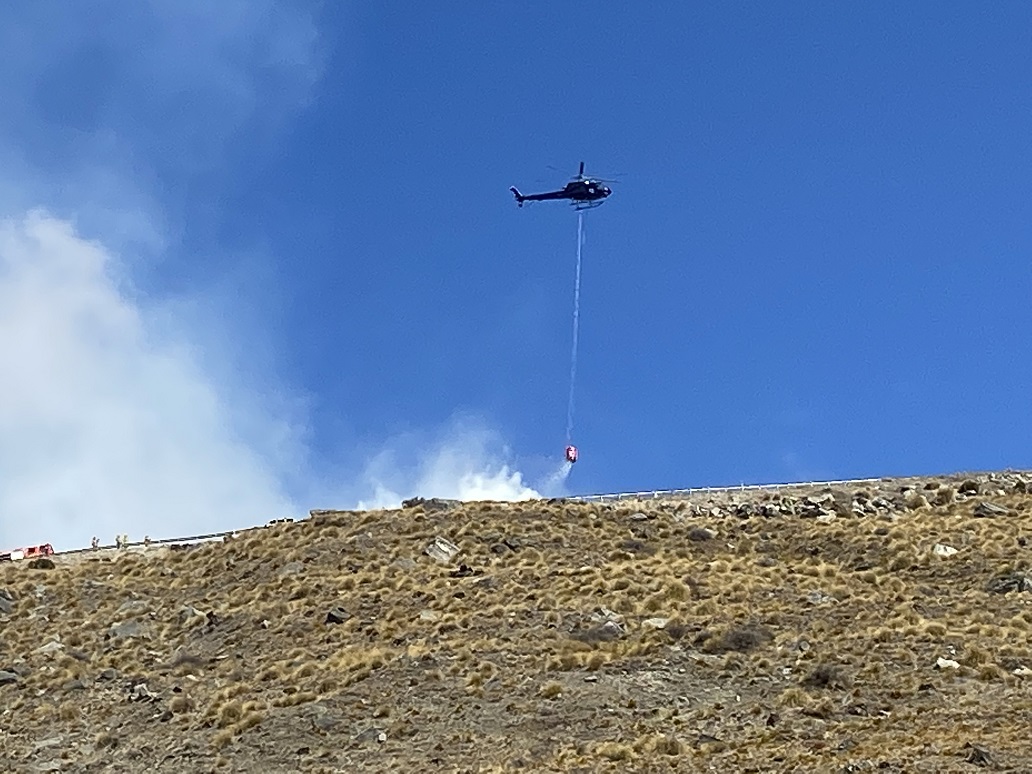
(772,627)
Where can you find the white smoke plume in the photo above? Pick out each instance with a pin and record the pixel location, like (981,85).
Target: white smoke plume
(122,413)
(109,423)
(466,462)
(105,427)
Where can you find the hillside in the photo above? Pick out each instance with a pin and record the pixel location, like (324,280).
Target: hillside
(882,627)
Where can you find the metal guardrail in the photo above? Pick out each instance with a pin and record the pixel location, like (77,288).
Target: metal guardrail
(667,494)
(654,494)
(161,541)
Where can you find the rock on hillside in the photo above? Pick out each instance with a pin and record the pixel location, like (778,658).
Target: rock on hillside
(873,627)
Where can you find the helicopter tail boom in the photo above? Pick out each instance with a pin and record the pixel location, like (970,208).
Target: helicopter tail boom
(519,197)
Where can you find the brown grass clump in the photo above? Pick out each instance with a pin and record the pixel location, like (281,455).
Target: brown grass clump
(551,690)
(701,632)
(612,751)
(742,638)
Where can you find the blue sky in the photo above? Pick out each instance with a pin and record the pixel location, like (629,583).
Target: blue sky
(313,287)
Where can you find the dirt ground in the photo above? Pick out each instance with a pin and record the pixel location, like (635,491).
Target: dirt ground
(883,627)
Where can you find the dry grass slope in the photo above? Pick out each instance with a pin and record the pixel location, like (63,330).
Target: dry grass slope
(877,628)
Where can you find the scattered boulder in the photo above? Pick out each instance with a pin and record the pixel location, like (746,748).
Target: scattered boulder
(127,629)
(1011,581)
(969,487)
(132,607)
(291,568)
(433,504)
(655,623)
(943,550)
(978,756)
(987,510)
(140,692)
(6,678)
(372,735)
(604,614)
(337,615)
(606,632)
(701,534)
(42,563)
(6,602)
(441,550)
(188,614)
(465,571)
(51,647)
(914,500)
(946,663)
(817,597)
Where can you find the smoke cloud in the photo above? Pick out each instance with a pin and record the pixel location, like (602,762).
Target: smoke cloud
(467,462)
(123,411)
(106,425)
(110,424)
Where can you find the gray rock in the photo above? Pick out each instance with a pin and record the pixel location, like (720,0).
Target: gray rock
(604,614)
(701,534)
(337,615)
(969,487)
(291,568)
(441,550)
(987,510)
(140,692)
(127,629)
(607,632)
(188,613)
(6,678)
(1012,581)
(51,647)
(915,500)
(132,607)
(372,735)
(816,597)
(325,722)
(6,605)
(977,756)
(433,504)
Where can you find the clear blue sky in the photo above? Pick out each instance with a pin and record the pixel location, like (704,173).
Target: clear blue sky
(816,263)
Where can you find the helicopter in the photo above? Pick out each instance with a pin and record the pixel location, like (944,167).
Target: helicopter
(583,192)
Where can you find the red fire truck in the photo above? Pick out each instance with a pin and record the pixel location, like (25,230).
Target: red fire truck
(29,552)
